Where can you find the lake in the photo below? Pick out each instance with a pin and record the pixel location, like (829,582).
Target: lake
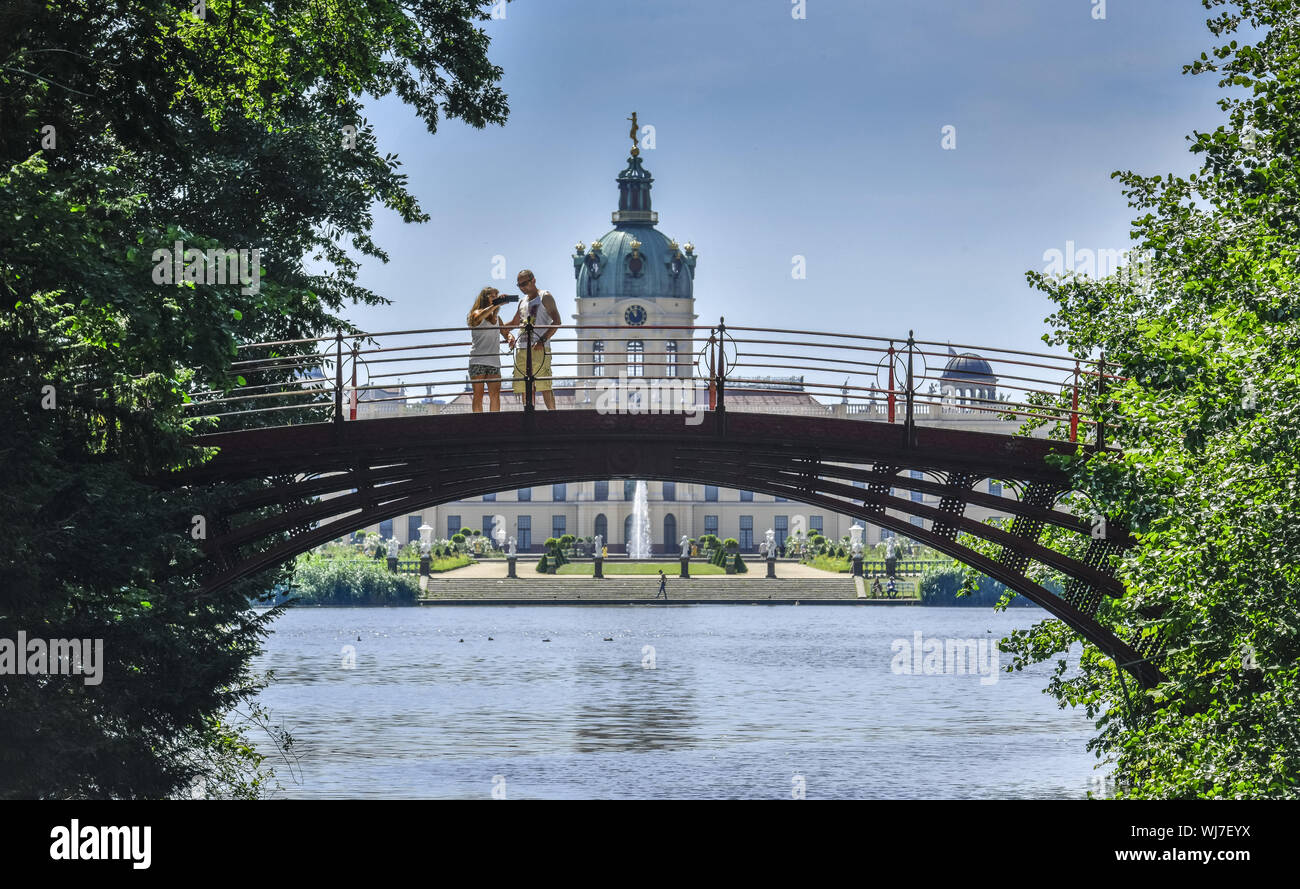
(703,701)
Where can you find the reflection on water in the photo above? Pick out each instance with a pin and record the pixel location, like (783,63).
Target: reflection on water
(733,702)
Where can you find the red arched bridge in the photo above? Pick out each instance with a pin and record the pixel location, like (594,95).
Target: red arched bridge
(345,431)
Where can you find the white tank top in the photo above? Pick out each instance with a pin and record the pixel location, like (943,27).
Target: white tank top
(542,319)
(486,339)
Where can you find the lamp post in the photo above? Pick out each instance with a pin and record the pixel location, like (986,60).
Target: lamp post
(855,534)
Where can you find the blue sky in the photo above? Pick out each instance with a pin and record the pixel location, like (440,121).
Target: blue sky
(820,137)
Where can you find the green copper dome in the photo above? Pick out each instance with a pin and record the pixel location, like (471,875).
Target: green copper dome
(634,259)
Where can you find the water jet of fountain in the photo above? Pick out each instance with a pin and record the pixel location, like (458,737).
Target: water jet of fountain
(638,545)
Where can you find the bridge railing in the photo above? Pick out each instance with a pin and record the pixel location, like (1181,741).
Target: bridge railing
(662,368)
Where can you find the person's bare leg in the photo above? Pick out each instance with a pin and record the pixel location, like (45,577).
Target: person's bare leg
(494,395)
(476,399)
(549,397)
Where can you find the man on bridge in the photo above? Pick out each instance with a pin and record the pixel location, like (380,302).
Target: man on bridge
(540,310)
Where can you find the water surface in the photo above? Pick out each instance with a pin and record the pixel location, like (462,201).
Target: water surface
(740,700)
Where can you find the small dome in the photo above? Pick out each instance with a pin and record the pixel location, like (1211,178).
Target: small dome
(968,367)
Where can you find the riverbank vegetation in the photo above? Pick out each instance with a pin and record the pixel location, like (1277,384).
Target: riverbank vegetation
(1202,417)
(350,582)
(130,128)
(954,585)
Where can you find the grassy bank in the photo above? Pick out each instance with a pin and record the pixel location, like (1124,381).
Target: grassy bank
(829,563)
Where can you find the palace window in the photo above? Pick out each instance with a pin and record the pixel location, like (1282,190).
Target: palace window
(635,358)
(598,358)
(670,358)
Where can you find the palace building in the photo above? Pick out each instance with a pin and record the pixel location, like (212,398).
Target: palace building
(633,285)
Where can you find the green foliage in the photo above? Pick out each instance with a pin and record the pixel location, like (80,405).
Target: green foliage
(351,582)
(542,564)
(611,568)
(954,585)
(739,564)
(1206,419)
(719,553)
(450,562)
(826,563)
(222,133)
(555,551)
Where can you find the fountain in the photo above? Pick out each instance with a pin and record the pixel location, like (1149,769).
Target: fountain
(638,544)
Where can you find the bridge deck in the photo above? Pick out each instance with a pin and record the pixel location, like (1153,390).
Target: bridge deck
(326,447)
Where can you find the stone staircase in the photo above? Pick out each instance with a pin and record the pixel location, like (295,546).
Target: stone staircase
(561,589)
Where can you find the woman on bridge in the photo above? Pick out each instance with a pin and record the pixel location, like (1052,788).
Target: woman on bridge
(486,334)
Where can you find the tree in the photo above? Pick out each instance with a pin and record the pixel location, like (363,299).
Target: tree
(222,132)
(1208,442)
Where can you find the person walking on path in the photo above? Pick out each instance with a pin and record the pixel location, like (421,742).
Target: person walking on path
(663,586)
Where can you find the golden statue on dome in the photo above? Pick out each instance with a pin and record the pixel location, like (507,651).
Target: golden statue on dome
(632,135)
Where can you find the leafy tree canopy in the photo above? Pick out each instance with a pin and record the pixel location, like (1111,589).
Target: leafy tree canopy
(125,126)
(1207,426)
